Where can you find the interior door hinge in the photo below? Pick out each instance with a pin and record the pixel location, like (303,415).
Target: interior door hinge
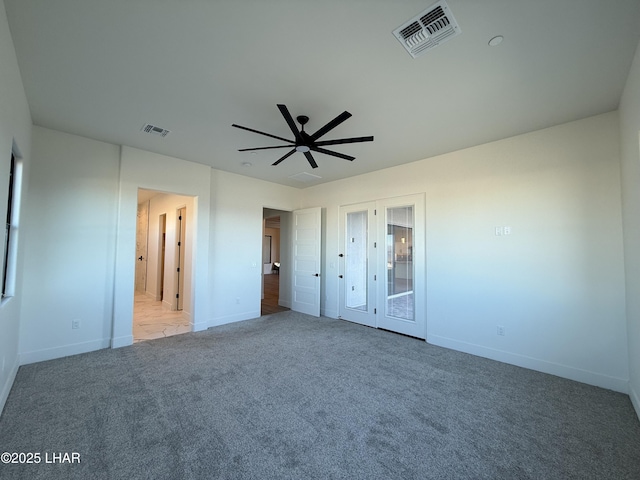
(375,310)
(178,269)
(179,243)
(177,295)
(375,212)
(375,277)
(375,244)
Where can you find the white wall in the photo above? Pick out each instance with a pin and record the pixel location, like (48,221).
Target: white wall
(168,205)
(556,283)
(15,126)
(237,204)
(630,154)
(70,215)
(151,171)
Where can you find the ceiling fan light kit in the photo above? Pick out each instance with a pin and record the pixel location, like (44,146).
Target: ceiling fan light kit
(305,143)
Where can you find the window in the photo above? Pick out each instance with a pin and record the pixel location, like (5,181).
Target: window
(9,232)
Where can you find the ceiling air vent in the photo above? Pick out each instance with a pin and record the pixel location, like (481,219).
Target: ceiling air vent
(304,177)
(152,129)
(427,30)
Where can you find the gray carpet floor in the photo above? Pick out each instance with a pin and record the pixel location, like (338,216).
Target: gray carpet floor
(295,397)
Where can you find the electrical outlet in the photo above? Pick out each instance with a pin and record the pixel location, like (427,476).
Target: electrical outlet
(500,330)
(507,230)
(498,231)
(75,323)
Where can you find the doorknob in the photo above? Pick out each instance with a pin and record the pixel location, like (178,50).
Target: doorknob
(339,276)
(316,274)
(140,258)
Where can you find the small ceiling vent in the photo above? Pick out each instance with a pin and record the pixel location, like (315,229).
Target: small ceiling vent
(304,177)
(427,30)
(152,129)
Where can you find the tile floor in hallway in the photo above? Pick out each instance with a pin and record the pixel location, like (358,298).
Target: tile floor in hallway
(151,321)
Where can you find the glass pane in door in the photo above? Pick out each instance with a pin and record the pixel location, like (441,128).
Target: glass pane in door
(400,272)
(356,261)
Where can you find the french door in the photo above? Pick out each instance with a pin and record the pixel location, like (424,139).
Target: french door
(382,264)
(357,301)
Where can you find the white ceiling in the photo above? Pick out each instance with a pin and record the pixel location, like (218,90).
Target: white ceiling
(103,69)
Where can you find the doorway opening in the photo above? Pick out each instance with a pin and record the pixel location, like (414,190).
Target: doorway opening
(275,273)
(162,300)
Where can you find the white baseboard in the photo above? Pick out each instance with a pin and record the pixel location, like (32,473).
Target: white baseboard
(564,371)
(8,383)
(123,341)
(238,317)
(64,351)
(199,326)
(635,399)
(329,313)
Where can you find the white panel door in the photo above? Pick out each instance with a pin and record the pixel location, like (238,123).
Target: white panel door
(306,261)
(142,234)
(401,251)
(357,261)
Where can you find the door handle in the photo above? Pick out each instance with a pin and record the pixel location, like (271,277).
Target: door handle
(140,258)
(316,274)
(339,276)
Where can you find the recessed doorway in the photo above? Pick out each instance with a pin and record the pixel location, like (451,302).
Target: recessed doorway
(162,297)
(275,267)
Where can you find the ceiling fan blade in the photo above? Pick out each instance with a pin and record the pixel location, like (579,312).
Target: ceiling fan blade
(263,148)
(345,140)
(332,153)
(331,125)
(262,133)
(289,119)
(312,162)
(283,157)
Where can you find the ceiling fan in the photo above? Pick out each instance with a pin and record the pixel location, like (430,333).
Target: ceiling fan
(305,143)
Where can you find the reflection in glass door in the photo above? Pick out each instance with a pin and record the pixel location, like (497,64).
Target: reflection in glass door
(401,297)
(399,248)
(355,272)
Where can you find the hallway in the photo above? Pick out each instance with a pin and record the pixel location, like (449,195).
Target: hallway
(151,321)
(269,303)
